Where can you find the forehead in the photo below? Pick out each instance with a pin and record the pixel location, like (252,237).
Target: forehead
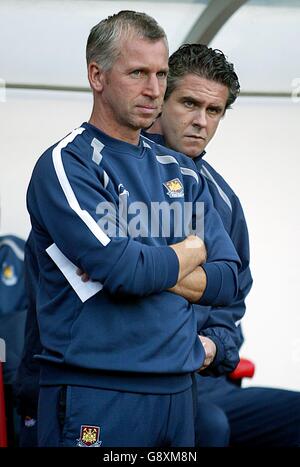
(141,52)
(202,89)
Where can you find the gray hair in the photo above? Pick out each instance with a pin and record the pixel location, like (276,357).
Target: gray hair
(104,42)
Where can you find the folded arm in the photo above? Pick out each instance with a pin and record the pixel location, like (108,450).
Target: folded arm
(62,200)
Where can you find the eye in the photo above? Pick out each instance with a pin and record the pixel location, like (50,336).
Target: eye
(189,104)
(162,74)
(136,73)
(214,111)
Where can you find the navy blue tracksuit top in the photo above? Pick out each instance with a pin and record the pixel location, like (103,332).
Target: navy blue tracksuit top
(231,212)
(132,334)
(223,323)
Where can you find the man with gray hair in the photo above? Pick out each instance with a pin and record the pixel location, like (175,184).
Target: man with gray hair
(123,347)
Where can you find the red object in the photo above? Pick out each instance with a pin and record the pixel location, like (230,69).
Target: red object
(245,369)
(3,434)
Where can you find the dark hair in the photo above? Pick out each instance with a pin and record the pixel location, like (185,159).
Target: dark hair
(205,62)
(104,42)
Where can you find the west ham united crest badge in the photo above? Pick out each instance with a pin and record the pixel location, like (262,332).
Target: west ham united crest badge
(89,437)
(175,188)
(8,274)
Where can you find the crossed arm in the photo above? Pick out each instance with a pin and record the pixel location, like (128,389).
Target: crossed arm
(191,286)
(191,283)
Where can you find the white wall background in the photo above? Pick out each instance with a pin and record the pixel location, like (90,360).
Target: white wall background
(43,41)
(263,42)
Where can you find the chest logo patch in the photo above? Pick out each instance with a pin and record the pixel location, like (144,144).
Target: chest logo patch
(89,437)
(8,274)
(174,188)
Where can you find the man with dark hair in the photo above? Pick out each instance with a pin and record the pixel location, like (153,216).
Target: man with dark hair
(202,85)
(123,346)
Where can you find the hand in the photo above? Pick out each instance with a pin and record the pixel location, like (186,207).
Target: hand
(210,351)
(192,242)
(84,276)
(191,253)
(192,286)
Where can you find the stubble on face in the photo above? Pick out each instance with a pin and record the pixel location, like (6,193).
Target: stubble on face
(192,113)
(134,87)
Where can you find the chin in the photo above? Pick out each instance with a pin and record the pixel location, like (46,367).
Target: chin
(192,152)
(145,123)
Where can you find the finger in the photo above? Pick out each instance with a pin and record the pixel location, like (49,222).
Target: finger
(204,364)
(85,277)
(203,367)
(79,272)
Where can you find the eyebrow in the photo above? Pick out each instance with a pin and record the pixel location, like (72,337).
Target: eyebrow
(217,107)
(189,98)
(147,68)
(195,101)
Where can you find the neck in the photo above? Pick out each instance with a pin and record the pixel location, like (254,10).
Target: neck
(100,119)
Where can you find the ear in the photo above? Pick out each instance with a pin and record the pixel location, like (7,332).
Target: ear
(95,76)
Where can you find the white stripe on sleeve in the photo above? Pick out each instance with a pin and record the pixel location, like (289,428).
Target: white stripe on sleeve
(68,191)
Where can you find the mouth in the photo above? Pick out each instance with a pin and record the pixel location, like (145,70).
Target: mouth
(196,137)
(147,109)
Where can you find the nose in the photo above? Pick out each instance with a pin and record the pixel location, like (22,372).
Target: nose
(200,119)
(153,87)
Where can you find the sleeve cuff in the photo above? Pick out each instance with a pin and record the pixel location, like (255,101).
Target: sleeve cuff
(222,284)
(167,267)
(220,354)
(213,280)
